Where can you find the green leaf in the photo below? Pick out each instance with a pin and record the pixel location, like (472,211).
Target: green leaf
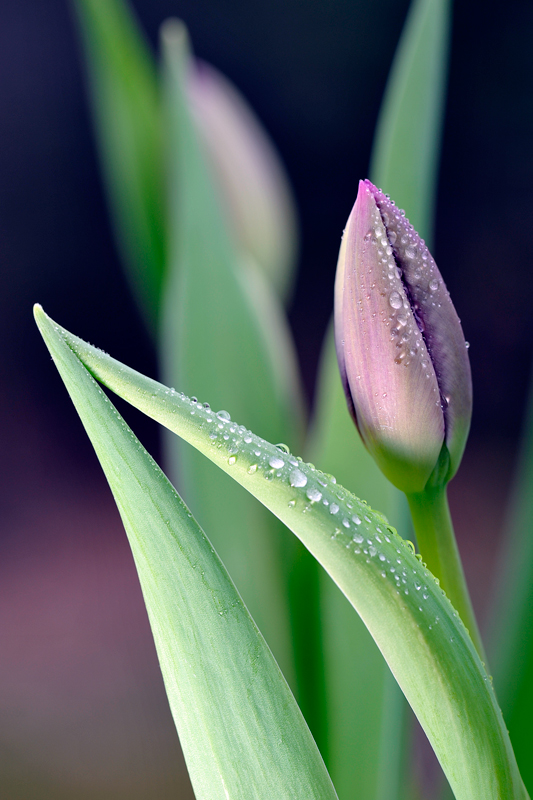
(404,162)
(241,731)
(365,708)
(406,149)
(127,117)
(512,618)
(224,332)
(413,623)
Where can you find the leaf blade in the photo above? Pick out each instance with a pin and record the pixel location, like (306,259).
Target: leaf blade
(241,731)
(217,317)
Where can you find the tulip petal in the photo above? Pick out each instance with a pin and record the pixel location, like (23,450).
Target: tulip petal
(387,369)
(438,321)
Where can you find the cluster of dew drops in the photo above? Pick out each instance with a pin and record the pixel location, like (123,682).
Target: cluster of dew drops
(396,242)
(352,523)
(397,314)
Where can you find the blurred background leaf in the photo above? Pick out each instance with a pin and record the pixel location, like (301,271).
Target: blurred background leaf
(224,336)
(511,635)
(125,98)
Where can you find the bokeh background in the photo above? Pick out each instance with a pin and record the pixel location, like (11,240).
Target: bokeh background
(82,707)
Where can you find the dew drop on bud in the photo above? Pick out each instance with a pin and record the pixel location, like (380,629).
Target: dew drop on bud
(395,300)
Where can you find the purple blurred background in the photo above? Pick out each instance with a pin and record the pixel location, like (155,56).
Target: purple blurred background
(82,708)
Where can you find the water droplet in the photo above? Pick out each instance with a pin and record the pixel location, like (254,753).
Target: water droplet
(232,460)
(194,399)
(284,448)
(467,345)
(314,495)
(346,523)
(382,557)
(252,468)
(372,550)
(356,519)
(358,538)
(223,415)
(247,439)
(410,546)
(392,237)
(433,285)
(297,478)
(292,503)
(276,462)
(395,300)
(333,509)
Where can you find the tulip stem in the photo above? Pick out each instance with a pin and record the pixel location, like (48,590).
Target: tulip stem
(436,540)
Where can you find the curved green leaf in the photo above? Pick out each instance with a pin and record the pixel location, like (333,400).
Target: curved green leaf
(413,623)
(241,731)
(127,116)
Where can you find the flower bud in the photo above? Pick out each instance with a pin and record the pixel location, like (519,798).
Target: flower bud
(400,346)
(253,184)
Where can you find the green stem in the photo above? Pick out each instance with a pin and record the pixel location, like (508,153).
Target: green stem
(436,540)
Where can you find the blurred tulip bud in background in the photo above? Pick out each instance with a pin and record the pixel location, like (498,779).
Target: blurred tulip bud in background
(254,186)
(400,346)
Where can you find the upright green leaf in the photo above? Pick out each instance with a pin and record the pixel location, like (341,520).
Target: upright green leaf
(242,733)
(405,155)
(413,623)
(404,163)
(224,333)
(125,100)
(512,615)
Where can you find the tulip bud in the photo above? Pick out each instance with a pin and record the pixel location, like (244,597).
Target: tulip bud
(400,346)
(253,184)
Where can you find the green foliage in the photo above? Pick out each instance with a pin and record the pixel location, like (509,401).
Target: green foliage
(419,633)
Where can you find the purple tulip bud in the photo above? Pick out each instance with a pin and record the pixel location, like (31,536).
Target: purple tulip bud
(400,346)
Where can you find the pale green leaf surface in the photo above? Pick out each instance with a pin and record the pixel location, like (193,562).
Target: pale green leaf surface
(125,100)
(407,144)
(365,708)
(414,625)
(242,733)
(224,332)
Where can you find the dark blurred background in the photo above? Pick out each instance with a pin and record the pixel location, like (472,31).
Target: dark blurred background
(82,708)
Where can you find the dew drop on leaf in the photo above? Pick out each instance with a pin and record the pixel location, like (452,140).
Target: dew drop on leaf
(297,478)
